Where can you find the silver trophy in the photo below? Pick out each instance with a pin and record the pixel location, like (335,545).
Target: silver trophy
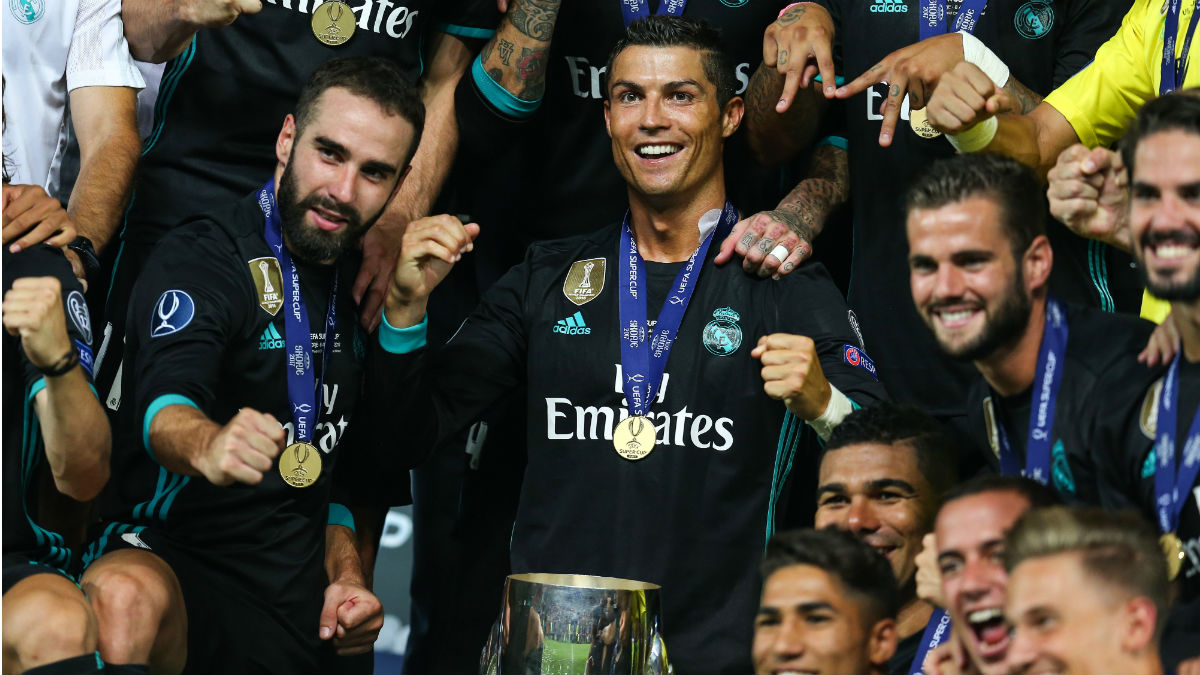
(573,623)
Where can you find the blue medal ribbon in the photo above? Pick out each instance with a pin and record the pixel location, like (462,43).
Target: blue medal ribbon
(933,17)
(1174,72)
(302,385)
(936,632)
(644,356)
(1170,489)
(1046,383)
(632,10)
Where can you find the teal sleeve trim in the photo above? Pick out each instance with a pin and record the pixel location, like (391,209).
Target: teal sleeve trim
(500,97)
(835,141)
(464,31)
(402,340)
(38,385)
(837,79)
(155,407)
(854,404)
(340,515)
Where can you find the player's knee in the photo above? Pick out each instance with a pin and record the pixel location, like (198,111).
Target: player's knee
(42,625)
(129,595)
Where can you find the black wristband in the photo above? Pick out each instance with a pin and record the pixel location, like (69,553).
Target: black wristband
(87,255)
(63,365)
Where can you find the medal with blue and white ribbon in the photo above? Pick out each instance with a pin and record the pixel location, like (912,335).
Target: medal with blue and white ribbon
(1171,488)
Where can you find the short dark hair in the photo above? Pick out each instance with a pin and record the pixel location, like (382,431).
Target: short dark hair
(1013,186)
(890,423)
(1179,110)
(664,30)
(1038,495)
(1120,549)
(862,571)
(371,77)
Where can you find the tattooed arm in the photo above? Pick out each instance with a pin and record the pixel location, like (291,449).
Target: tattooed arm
(795,222)
(515,58)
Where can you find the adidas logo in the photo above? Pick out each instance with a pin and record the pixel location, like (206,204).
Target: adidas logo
(270,339)
(889,6)
(572,325)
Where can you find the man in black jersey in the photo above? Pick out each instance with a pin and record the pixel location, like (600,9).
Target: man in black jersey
(828,606)
(980,265)
(1087,593)
(245,322)
(881,476)
(1137,411)
(682,466)
(56,451)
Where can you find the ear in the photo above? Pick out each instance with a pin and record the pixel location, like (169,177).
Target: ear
(283,144)
(1037,263)
(607,122)
(1140,617)
(881,643)
(731,117)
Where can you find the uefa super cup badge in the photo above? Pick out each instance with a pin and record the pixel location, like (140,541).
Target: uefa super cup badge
(27,11)
(722,336)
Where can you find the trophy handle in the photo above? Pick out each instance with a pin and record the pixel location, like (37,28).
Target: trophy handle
(656,660)
(489,658)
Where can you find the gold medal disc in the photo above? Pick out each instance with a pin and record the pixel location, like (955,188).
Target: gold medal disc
(920,124)
(1172,548)
(634,437)
(300,464)
(333,23)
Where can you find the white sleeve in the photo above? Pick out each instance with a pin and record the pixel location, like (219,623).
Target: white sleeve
(99,55)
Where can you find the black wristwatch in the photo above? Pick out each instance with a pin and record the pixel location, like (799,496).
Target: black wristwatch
(87,255)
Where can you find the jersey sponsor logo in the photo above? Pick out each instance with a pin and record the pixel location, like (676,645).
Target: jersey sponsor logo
(268,282)
(586,79)
(889,6)
(270,339)
(856,357)
(134,539)
(1148,418)
(328,433)
(1034,19)
(384,17)
(27,11)
(722,336)
(78,311)
(854,327)
(585,280)
(86,359)
(572,325)
(172,313)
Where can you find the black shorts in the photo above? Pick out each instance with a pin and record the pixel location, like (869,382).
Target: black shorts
(230,628)
(18,566)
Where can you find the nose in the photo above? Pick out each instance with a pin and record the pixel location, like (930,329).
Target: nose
(341,188)
(789,640)
(1021,651)
(860,517)
(653,115)
(978,577)
(1169,211)
(948,283)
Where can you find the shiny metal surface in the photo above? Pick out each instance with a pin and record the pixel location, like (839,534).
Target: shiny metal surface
(573,623)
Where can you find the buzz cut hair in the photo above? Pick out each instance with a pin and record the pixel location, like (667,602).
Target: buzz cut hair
(371,77)
(1177,111)
(1119,550)
(664,30)
(1012,186)
(862,571)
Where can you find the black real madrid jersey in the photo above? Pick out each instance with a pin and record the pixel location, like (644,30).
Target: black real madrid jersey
(695,514)
(1097,342)
(1041,54)
(27,479)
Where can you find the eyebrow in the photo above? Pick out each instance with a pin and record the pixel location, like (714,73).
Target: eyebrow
(804,607)
(373,165)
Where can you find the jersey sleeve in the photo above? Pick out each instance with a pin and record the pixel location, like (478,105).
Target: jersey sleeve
(1116,428)
(99,55)
(1088,24)
(1101,100)
(467,18)
(183,311)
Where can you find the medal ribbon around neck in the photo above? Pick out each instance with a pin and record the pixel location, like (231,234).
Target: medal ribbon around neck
(1170,488)
(1046,383)
(933,17)
(1173,72)
(644,356)
(632,10)
(302,384)
(935,634)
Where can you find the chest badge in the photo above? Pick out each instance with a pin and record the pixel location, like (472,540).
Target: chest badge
(268,282)
(1148,416)
(991,426)
(722,336)
(585,280)
(27,11)
(1034,19)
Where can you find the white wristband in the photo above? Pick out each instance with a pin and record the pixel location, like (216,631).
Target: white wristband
(976,138)
(977,53)
(839,406)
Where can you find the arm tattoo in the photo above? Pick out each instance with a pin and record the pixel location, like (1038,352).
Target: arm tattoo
(783,57)
(531,69)
(1025,98)
(506,50)
(534,18)
(824,188)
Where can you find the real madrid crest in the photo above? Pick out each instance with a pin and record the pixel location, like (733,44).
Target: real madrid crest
(722,336)
(585,280)
(268,281)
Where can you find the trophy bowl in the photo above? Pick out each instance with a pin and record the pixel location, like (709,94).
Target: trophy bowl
(573,623)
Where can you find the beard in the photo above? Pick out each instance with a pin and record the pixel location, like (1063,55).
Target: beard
(1184,290)
(311,244)
(1001,327)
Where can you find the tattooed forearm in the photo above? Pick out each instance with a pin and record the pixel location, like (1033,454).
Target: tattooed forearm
(1025,98)
(506,50)
(516,56)
(825,187)
(534,18)
(531,70)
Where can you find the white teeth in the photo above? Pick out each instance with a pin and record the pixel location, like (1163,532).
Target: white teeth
(983,615)
(657,150)
(955,316)
(1171,251)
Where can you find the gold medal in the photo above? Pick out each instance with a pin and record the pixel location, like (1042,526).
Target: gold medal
(300,464)
(634,437)
(1172,547)
(333,23)
(920,124)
